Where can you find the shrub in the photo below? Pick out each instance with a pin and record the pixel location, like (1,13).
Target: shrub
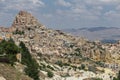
(18,32)
(82,66)
(98,79)
(72,45)
(50,74)
(59,63)
(10,49)
(79,68)
(115,78)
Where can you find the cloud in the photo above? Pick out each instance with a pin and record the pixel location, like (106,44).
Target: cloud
(117,7)
(92,13)
(80,11)
(66,13)
(63,3)
(47,15)
(109,0)
(22,4)
(9,8)
(2,0)
(112,15)
(38,2)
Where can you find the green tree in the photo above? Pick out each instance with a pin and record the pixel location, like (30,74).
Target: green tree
(115,78)
(32,66)
(10,49)
(118,75)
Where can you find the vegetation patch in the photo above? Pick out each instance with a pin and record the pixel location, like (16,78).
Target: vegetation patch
(8,51)
(18,32)
(32,66)
(50,74)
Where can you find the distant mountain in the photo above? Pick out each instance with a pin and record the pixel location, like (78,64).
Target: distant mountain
(98,28)
(96,33)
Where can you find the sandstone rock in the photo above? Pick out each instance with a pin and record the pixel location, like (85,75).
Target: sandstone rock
(25,20)
(2,78)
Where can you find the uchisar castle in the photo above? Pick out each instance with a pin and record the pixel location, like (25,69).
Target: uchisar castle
(31,51)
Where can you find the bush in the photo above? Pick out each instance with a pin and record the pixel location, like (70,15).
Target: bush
(96,79)
(59,63)
(10,49)
(100,63)
(18,32)
(115,78)
(72,45)
(82,66)
(78,49)
(118,77)
(50,74)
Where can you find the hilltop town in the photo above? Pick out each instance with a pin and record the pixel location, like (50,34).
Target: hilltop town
(61,56)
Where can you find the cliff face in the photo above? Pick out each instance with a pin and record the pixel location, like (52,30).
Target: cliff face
(24,20)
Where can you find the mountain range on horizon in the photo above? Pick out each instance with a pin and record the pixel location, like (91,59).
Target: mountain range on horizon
(96,33)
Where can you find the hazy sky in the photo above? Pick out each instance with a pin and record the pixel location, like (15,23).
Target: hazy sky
(64,13)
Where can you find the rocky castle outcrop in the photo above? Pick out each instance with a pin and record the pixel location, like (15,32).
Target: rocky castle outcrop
(24,20)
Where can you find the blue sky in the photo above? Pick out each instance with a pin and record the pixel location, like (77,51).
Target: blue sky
(59,14)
